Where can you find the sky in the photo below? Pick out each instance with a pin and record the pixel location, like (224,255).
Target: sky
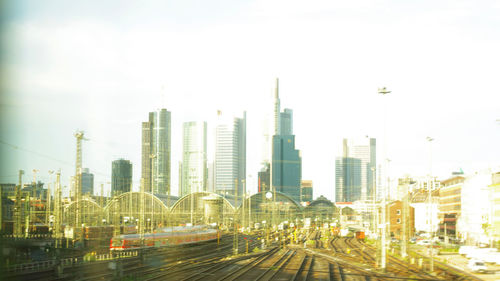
(101,66)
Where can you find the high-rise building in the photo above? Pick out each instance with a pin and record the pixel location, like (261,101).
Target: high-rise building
(347,179)
(156,152)
(87,182)
(306,191)
(277,114)
(286,166)
(263,178)
(284,172)
(230,155)
(363,149)
(194,157)
(210,177)
(121,176)
(286,122)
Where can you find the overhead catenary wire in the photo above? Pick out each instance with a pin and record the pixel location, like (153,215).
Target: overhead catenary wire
(66,163)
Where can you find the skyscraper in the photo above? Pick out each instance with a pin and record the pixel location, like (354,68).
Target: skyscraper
(306,193)
(276,127)
(365,151)
(194,157)
(286,122)
(347,179)
(286,166)
(285,170)
(156,152)
(87,182)
(263,178)
(121,176)
(230,155)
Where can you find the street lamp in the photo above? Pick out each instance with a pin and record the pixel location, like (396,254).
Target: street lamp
(269,196)
(383,91)
(153,157)
(431,246)
(49,195)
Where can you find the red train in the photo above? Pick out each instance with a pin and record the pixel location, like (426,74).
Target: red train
(170,236)
(360,235)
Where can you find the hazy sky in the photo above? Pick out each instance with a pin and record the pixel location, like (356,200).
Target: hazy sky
(101,66)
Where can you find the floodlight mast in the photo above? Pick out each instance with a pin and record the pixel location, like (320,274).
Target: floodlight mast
(431,183)
(383,227)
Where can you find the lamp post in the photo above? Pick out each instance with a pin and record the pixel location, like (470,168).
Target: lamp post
(153,157)
(269,196)
(431,246)
(235,220)
(374,202)
(383,91)
(49,195)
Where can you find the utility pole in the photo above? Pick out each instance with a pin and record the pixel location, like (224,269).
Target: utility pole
(374,202)
(27,213)
(141,207)
(57,209)
(405,210)
(18,230)
(249,211)
(48,208)
(235,221)
(383,257)
(431,182)
(153,157)
(243,197)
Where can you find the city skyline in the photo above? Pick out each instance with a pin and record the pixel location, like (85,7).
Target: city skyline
(70,68)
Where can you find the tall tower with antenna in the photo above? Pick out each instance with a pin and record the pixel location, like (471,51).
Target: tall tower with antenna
(276,127)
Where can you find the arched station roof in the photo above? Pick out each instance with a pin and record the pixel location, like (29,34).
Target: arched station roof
(280,197)
(199,195)
(134,197)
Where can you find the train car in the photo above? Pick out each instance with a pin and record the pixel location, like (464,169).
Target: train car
(164,237)
(39,229)
(360,235)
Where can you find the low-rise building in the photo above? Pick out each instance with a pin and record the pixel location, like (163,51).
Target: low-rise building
(396,218)
(306,191)
(450,205)
(494,225)
(426,212)
(473,221)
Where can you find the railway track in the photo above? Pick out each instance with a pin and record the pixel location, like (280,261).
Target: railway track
(198,262)
(211,262)
(152,261)
(290,263)
(350,249)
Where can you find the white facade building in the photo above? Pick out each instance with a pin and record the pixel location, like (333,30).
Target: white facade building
(364,149)
(194,157)
(476,207)
(230,155)
(426,216)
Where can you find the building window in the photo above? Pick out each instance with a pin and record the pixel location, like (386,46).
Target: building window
(399,220)
(398,212)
